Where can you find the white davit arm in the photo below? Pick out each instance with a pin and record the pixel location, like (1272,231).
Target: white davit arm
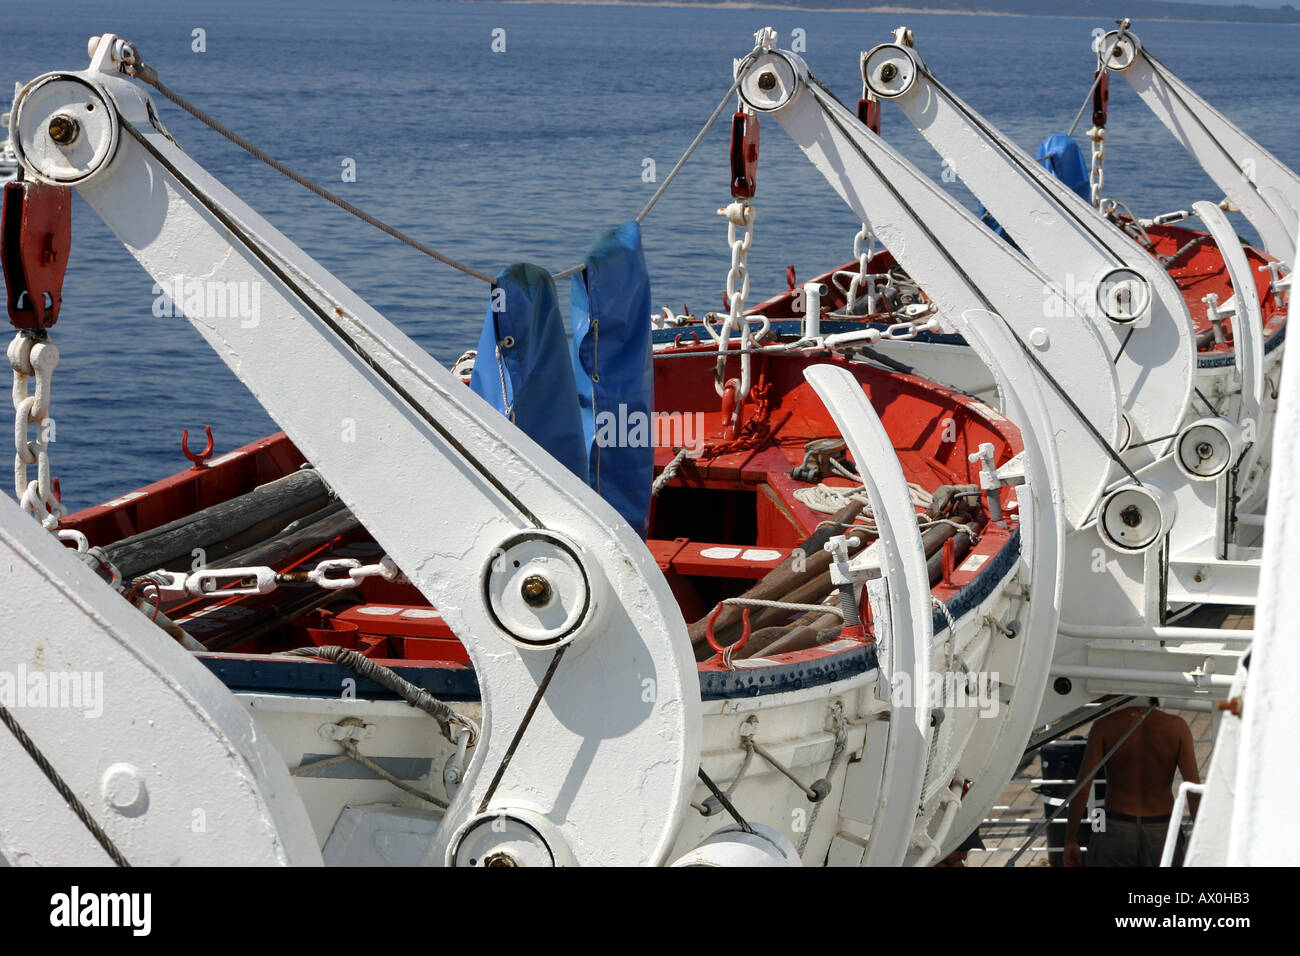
(910,624)
(1050,433)
(155,734)
(465,503)
(963,267)
(1255,182)
(1132,302)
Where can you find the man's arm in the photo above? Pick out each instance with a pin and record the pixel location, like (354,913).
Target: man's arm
(1187,764)
(1087,768)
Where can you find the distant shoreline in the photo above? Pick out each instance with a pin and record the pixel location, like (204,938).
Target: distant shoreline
(884,8)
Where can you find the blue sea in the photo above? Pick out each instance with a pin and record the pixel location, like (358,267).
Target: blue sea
(530,154)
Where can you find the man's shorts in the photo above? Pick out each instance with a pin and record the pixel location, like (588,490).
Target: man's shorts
(1128,842)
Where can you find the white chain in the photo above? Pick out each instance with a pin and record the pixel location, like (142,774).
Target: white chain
(739,214)
(1096,172)
(34,359)
(333,574)
(863,278)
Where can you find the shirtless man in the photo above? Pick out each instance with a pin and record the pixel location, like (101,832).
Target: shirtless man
(1139,787)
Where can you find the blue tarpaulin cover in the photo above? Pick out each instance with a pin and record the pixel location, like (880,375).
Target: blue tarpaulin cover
(610,311)
(525,328)
(1061,154)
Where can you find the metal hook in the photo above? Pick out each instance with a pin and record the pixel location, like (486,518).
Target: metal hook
(724,653)
(202,457)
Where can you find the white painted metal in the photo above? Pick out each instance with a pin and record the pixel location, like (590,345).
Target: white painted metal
(1266,191)
(905,648)
(1081,251)
(1264,827)
(158,751)
(734,846)
(1247,320)
(988,748)
(960,263)
(417,428)
(1078,247)
(381,835)
(1176,820)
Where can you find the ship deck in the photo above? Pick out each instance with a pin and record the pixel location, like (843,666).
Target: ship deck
(1019,810)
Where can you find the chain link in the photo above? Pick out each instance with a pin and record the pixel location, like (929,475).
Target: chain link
(34,357)
(1096,173)
(863,278)
(740,215)
(332,574)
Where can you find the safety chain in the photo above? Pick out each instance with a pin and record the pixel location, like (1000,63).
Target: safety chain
(863,278)
(333,574)
(1096,172)
(754,431)
(739,214)
(32,355)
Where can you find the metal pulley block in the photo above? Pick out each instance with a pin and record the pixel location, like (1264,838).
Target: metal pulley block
(744,155)
(35,235)
(869,112)
(1100,99)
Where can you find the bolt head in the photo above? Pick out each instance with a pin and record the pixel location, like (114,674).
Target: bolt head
(767,81)
(536,590)
(63,129)
(124,790)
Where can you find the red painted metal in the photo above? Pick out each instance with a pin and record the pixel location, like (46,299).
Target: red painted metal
(730,409)
(35,236)
(1100,100)
(690,559)
(744,155)
(199,458)
(869,114)
(720,648)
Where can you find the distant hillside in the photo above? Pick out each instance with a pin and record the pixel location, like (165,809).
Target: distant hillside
(1098,9)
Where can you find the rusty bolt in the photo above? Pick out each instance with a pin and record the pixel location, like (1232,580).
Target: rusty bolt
(63,129)
(888,72)
(1232,705)
(1131,516)
(536,590)
(500,859)
(767,81)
